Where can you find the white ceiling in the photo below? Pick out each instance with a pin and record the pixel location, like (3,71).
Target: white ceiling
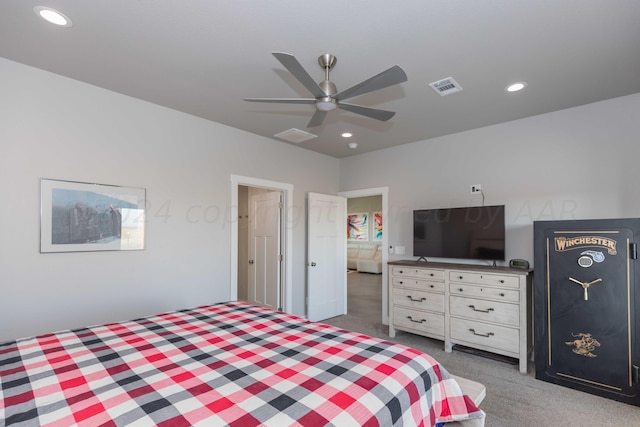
(204,56)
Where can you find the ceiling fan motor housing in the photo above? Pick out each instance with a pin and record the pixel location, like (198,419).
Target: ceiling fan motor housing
(328,87)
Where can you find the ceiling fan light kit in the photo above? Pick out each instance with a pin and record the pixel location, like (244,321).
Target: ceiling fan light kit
(326,104)
(326,96)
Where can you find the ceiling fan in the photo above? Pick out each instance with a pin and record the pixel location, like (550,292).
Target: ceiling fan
(326,97)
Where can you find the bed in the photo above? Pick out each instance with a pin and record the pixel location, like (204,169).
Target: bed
(229,364)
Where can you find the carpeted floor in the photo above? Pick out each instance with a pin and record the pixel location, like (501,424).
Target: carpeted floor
(513,399)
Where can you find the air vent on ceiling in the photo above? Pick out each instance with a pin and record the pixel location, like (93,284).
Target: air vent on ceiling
(295,135)
(446,86)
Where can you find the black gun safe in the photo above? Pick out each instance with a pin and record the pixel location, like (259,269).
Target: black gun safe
(585,305)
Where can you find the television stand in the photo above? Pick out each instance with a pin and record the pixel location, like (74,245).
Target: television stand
(477,306)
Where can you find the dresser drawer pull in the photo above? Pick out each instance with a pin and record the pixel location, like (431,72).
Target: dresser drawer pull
(431,274)
(487,335)
(460,277)
(431,286)
(473,307)
(501,294)
(501,281)
(416,321)
(416,300)
(460,289)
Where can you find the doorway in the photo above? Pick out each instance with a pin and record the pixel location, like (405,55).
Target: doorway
(364,278)
(383,194)
(241,187)
(259,246)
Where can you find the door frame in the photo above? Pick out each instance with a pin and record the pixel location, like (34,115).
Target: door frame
(287,235)
(384,192)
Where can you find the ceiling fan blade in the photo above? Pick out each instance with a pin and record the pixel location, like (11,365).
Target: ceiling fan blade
(390,77)
(294,67)
(317,119)
(374,113)
(283,100)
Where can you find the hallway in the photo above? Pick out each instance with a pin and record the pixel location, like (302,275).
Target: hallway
(364,296)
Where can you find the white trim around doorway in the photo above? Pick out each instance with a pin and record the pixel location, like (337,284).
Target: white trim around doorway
(287,244)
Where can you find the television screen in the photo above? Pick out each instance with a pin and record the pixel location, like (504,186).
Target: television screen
(476,232)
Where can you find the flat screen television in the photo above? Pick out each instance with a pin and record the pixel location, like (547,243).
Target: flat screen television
(476,233)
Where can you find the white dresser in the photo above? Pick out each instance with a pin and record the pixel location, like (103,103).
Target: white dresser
(483,307)
(418,300)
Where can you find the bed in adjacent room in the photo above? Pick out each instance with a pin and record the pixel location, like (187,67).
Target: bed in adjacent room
(225,364)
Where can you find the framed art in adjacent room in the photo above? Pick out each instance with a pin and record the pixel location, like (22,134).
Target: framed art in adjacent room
(358,227)
(377,226)
(79,216)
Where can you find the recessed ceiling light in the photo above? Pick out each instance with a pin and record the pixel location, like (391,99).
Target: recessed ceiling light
(515,87)
(52,16)
(353,145)
(347,135)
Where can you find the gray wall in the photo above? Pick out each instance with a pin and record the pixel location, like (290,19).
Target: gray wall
(570,164)
(576,163)
(368,204)
(58,128)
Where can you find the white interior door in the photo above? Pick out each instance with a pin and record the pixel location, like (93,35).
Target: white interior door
(326,256)
(264,249)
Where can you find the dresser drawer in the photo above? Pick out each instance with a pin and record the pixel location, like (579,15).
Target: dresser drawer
(418,299)
(496,294)
(429,323)
(488,311)
(424,285)
(420,273)
(499,338)
(484,279)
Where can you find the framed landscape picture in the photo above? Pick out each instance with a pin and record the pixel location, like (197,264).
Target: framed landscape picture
(78,217)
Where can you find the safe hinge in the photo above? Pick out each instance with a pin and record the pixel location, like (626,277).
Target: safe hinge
(280,258)
(633,250)
(636,374)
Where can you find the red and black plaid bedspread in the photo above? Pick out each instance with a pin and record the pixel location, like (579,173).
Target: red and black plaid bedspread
(228,364)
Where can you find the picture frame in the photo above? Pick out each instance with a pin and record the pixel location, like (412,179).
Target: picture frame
(81,217)
(358,227)
(377,227)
